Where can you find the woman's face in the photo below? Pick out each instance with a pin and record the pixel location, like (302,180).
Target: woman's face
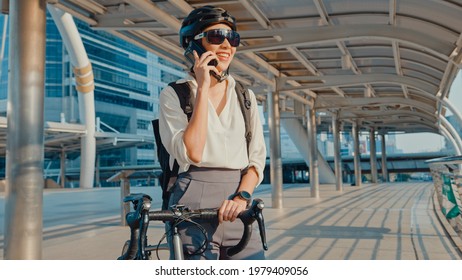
(224,52)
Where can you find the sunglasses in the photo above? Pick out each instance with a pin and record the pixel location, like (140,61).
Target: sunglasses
(217,36)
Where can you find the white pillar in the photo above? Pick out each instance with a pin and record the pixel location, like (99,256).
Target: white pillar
(314,170)
(384,159)
(85,87)
(337,155)
(373,156)
(275,148)
(357,156)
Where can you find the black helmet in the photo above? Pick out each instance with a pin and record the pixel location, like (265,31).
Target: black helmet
(201,18)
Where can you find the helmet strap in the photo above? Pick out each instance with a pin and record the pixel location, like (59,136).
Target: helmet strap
(222,77)
(219,78)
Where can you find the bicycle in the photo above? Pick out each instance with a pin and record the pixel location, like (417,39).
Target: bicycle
(137,248)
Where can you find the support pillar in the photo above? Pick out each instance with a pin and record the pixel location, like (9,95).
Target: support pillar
(62,169)
(314,168)
(357,155)
(25,140)
(97,171)
(384,159)
(373,156)
(85,86)
(337,155)
(275,148)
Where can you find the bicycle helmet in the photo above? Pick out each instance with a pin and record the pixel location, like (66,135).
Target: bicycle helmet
(201,18)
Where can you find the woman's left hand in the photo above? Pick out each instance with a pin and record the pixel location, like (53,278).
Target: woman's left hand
(230,209)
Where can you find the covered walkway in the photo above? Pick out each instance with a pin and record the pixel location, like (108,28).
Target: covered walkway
(394,221)
(377,67)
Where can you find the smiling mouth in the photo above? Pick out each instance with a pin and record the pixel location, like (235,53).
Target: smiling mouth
(223,55)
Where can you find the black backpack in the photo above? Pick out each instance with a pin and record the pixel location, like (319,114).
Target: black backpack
(183,91)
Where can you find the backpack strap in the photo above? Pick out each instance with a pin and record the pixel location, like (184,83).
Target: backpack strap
(183,91)
(244,101)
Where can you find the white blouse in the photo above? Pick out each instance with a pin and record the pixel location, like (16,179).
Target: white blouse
(225,145)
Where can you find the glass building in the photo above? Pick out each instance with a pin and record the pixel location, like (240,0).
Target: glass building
(128,81)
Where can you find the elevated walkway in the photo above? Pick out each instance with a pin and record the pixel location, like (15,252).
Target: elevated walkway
(394,221)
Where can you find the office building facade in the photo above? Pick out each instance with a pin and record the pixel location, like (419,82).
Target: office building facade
(128,81)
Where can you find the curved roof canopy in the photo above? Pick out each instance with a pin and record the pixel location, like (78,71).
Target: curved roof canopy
(384,64)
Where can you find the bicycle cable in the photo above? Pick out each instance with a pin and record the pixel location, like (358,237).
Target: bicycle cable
(198,251)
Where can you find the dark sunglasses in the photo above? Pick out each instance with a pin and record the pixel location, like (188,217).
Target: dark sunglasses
(217,36)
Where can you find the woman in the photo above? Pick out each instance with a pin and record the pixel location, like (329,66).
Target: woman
(210,148)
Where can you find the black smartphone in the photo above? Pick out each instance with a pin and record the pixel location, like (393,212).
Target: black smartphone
(194,46)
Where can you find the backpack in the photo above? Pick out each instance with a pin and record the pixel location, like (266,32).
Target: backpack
(183,90)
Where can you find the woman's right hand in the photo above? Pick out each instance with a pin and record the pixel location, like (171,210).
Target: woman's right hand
(202,68)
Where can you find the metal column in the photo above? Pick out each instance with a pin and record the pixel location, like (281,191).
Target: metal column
(384,159)
(314,168)
(275,148)
(62,169)
(373,156)
(25,183)
(337,155)
(97,171)
(357,155)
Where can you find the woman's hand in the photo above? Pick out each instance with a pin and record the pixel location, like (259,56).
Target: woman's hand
(230,209)
(202,68)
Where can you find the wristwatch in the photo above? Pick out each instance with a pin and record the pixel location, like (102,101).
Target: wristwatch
(243,195)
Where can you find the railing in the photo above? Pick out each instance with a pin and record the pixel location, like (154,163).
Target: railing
(447,178)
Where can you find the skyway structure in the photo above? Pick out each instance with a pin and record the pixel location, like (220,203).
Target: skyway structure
(361,65)
(376,66)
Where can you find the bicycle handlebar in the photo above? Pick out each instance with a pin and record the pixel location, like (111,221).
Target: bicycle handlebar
(139,219)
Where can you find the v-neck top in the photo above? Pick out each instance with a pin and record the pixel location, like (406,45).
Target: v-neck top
(225,145)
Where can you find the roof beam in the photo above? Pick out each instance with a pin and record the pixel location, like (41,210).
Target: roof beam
(155,12)
(256,13)
(319,82)
(328,103)
(295,37)
(399,69)
(389,113)
(392,12)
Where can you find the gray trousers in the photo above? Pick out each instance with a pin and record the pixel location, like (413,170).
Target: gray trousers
(208,188)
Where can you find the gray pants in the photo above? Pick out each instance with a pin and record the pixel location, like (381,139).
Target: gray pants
(208,188)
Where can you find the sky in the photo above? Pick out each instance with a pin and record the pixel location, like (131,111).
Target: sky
(428,142)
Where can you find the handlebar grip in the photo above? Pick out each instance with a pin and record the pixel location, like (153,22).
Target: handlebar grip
(163,215)
(206,214)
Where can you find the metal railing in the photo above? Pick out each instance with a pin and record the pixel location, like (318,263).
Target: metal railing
(447,178)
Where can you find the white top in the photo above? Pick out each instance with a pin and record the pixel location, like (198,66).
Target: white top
(225,145)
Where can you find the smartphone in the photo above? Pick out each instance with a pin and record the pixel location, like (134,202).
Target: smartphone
(195,46)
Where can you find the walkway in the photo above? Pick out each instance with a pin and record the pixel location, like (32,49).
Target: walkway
(373,222)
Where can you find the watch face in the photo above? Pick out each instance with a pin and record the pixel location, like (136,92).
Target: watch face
(245,195)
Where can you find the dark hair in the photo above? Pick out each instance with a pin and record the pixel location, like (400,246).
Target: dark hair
(201,18)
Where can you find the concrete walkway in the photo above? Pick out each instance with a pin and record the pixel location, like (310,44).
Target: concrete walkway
(393,221)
